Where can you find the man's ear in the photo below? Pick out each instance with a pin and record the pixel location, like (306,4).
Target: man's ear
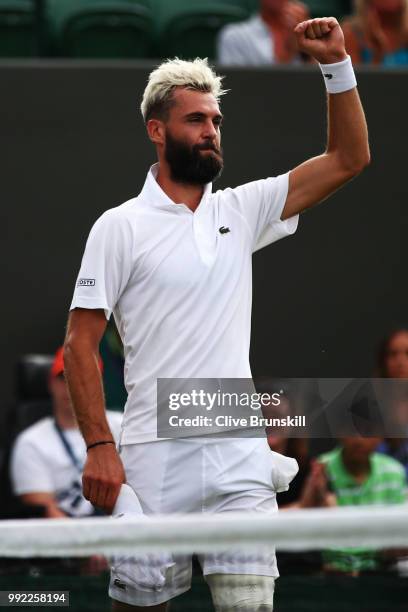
(156,131)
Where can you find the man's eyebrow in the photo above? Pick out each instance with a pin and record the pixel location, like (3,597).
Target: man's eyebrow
(200,114)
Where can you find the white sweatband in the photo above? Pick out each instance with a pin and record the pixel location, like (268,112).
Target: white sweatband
(339,77)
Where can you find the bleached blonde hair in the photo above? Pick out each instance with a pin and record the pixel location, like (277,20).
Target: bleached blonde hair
(196,75)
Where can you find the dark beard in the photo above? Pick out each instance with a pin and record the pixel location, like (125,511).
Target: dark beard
(188,165)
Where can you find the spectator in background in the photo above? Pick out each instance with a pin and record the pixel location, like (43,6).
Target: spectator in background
(279,438)
(264,39)
(356,475)
(48,457)
(280,441)
(378,32)
(393,363)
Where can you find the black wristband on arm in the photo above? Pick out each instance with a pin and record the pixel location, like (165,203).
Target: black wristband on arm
(98,443)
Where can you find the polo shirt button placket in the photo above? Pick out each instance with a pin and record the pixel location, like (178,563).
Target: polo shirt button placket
(205,247)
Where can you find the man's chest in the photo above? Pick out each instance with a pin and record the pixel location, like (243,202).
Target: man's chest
(185,251)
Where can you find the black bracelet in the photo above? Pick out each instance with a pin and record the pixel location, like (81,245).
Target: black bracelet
(98,443)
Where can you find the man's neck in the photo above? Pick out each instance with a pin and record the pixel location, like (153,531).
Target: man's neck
(360,470)
(395,443)
(65,420)
(180,193)
(272,19)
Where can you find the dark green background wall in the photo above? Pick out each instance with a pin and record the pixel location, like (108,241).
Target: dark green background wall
(73,144)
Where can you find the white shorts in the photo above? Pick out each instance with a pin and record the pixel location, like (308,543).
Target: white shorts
(206,474)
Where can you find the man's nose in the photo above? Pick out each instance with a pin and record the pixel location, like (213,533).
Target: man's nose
(209,130)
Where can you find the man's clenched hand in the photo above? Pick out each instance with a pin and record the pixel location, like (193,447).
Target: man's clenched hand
(103,476)
(322,39)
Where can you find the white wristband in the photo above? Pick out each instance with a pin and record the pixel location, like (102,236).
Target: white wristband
(339,77)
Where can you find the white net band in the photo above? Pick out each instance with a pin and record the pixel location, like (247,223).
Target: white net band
(293,530)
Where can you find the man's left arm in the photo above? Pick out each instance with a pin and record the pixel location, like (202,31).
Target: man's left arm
(347,151)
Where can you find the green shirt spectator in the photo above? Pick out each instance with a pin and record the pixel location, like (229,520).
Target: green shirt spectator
(382,483)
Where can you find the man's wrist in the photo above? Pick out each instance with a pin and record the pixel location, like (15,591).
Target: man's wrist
(332,58)
(339,76)
(99,443)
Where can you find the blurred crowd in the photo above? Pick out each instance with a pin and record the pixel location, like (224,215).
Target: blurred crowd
(48,452)
(356,469)
(232,32)
(43,452)
(376,33)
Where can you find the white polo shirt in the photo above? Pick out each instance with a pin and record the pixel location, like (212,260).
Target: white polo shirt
(179,289)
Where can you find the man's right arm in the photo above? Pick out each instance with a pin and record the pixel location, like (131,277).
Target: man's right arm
(103,471)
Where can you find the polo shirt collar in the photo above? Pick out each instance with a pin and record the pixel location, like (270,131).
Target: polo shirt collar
(154,194)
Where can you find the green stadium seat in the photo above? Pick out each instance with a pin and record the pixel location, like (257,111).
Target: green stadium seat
(328,8)
(253,5)
(101,28)
(189,29)
(18,29)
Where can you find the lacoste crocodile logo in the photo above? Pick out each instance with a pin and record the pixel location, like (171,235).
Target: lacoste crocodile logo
(224,230)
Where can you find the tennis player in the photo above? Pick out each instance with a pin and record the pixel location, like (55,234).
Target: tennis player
(174,266)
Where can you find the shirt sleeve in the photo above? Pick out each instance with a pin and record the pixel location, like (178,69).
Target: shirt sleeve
(261,204)
(29,470)
(106,263)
